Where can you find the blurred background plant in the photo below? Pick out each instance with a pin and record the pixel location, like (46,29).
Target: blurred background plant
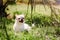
(44,14)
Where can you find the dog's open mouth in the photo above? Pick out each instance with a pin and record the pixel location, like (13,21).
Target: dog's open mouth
(21,21)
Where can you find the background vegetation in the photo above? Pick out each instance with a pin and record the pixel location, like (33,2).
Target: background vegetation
(45,17)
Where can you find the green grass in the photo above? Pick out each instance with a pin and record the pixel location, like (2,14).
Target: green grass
(37,33)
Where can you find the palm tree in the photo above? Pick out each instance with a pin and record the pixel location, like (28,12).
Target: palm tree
(50,3)
(3,15)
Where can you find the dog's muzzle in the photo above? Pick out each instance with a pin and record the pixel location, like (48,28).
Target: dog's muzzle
(21,20)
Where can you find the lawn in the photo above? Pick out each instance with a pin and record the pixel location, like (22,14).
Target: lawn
(37,33)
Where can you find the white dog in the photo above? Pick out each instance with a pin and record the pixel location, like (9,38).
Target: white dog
(20,25)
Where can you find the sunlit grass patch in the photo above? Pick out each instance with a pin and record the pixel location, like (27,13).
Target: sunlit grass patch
(23,9)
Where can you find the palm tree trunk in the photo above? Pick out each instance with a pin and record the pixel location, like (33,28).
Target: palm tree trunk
(2,15)
(32,2)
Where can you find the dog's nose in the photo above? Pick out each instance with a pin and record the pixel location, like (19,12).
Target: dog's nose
(21,19)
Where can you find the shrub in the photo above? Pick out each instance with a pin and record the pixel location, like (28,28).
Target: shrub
(39,19)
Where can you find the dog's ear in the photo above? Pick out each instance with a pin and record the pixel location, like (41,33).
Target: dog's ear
(23,14)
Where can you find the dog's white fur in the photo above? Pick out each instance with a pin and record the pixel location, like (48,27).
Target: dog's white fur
(20,26)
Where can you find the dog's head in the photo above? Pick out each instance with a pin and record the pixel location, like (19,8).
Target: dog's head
(20,18)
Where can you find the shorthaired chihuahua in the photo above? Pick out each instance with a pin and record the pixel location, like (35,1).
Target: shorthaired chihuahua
(20,25)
